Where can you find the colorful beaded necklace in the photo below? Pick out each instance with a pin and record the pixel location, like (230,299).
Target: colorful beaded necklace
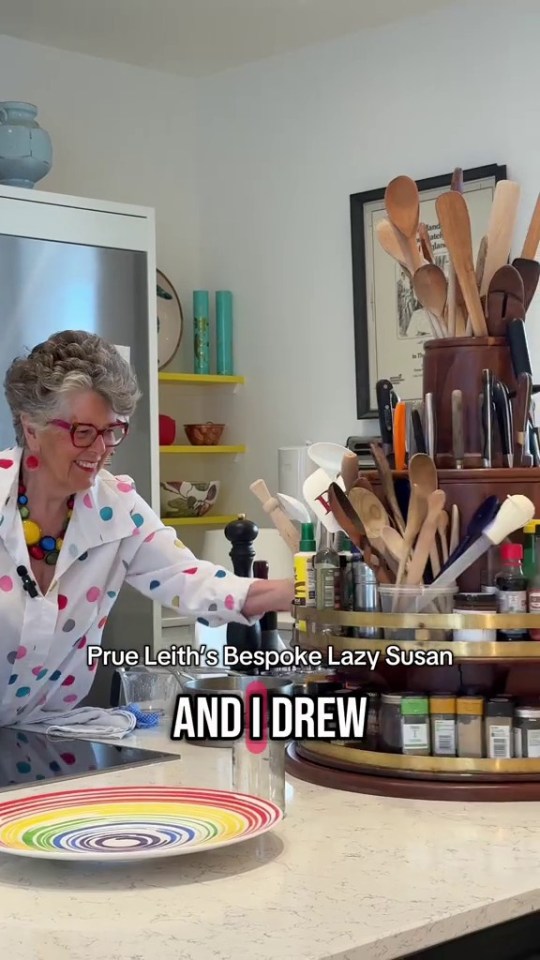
(41,547)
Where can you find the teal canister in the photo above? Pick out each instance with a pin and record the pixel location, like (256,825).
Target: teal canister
(224,333)
(25,148)
(201,331)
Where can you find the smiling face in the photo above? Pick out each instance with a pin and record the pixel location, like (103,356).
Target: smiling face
(71,468)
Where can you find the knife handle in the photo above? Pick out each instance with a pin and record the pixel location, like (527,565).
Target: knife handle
(519,348)
(400,433)
(429,425)
(522,406)
(384,391)
(503,411)
(458,443)
(419,439)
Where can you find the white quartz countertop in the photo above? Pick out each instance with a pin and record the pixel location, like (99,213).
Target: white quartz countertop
(343,876)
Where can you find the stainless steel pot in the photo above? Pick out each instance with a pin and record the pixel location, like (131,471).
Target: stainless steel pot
(237,683)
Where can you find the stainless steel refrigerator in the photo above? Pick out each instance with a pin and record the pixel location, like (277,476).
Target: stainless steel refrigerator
(49,285)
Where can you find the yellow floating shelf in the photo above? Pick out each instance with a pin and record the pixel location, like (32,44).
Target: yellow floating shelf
(198,521)
(202,378)
(188,448)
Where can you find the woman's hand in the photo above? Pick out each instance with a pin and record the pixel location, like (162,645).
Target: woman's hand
(269,595)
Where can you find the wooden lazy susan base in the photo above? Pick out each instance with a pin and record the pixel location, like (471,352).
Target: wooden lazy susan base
(341,775)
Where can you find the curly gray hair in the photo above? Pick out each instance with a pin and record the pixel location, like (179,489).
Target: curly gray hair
(67,362)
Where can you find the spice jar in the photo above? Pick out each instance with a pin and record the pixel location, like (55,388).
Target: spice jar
(527,732)
(371,738)
(499,728)
(470,711)
(442,711)
(415,725)
(469,603)
(390,723)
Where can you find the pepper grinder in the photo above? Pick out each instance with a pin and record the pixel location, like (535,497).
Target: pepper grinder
(270,638)
(241,533)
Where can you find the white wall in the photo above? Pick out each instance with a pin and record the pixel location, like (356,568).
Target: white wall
(283,145)
(119,133)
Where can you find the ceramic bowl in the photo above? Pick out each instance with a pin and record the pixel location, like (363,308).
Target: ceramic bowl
(188,498)
(204,434)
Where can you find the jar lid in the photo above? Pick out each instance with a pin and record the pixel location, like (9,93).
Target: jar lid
(470,706)
(528,713)
(531,527)
(394,698)
(475,601)
(439,703)
(414,705)
(500,707)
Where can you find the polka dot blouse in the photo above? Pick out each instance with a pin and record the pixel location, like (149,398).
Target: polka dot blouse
(113,538)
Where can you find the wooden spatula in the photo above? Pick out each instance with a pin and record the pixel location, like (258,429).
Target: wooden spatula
(502,222)
(387,483)
(455,224)
(532,240)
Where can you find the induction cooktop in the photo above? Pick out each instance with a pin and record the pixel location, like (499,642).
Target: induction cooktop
(27,757)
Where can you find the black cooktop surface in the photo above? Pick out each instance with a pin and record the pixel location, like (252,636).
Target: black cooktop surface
(27,757)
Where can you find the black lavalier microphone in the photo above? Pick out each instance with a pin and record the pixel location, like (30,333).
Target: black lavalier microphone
(28,584)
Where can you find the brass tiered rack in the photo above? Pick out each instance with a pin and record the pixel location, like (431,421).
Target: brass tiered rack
(346,765)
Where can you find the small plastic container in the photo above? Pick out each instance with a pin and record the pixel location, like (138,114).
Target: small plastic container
(426,600)
(527,731)
(390,737)
(470,603)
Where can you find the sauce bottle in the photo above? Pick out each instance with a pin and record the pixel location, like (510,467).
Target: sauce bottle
(511,589)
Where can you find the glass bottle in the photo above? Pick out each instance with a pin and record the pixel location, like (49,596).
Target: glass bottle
(326,573)
(511,589)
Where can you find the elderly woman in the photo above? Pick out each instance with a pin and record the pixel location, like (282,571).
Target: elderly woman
(71,533)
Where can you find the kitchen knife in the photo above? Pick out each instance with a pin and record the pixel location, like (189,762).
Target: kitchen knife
(487,421)
(522,406)
(513,514)
(534,444)
(483,515)
(458,443)
(519,348)
(400,431)
(503,412)
(429,425)
(419,439)
(383,392)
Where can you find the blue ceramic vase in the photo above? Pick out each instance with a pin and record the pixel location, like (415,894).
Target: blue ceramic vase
(25,149)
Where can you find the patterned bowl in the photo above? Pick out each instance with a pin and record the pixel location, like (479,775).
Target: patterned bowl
(188,498)
(204,434)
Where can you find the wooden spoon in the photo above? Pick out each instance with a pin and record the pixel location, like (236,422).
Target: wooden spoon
(455,225)
(350,522)
(373,516)
(387,483)
(431,288)
(415,519)
(443,525)
(532,240)
(390,242)
(394,543)
(425,243)
(349,469)
(402,204)
(529,271)
(454,530)
(423,474)
(426,539)
(500,232)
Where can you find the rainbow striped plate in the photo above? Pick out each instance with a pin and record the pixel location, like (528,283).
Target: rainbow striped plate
(131,823)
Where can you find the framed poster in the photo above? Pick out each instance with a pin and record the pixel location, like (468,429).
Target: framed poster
(390,325)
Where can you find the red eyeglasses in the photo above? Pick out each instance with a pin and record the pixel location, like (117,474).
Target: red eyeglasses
(85,434)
